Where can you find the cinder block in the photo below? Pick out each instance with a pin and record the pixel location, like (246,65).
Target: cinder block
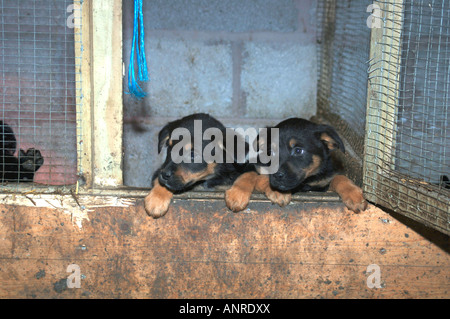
(141,157)
(219,15)
(187,77)
(279,79)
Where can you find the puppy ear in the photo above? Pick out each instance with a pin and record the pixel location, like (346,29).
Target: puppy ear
(330,138)
(261,141)
(163,136)
(258,143)
(264,146)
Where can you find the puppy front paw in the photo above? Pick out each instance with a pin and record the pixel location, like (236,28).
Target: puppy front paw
(351,195)
(353,199)
(157,202)
(238,196)
(282,199)
(237,199)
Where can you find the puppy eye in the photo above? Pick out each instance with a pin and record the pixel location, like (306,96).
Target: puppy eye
(297,151)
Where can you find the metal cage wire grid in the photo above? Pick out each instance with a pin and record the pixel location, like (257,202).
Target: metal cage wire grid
(343,50)
(39,94)
(406,159)
(386,90)
(403,146)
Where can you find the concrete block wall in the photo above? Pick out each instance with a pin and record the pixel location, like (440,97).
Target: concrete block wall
(248,63)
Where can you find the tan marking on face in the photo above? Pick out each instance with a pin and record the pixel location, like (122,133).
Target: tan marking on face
(188,146)
(274,147)
(292,142)
(258,143)
(189,177)
(313,167)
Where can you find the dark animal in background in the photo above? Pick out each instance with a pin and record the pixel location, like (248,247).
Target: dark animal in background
(16,169)
(307,162)
(444,182)
(176,177)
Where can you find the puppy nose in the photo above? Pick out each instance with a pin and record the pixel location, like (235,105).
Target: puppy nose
(279,175)
(165,175)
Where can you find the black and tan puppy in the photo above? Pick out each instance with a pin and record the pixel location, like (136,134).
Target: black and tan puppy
(306,163)
(196,153)
(12,168)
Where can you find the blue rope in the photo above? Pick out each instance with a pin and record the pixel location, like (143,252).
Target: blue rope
(138,45)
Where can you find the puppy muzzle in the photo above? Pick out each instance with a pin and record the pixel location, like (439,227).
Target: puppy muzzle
(167,179)
(283,181)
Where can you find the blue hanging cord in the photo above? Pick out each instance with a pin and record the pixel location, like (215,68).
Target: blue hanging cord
(138,44)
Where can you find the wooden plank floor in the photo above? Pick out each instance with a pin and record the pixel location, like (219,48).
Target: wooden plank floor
(202,250)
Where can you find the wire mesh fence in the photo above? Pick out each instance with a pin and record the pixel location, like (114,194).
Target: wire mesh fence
(406,160)
(38,93)
(343,51)
(423,137)
(384,80)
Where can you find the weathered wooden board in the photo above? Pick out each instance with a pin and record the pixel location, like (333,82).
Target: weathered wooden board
(107,107)
(202,250)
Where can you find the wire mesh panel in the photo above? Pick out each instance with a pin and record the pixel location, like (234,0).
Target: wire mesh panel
(422,138)
(38,93)
(343,51)
(407,142)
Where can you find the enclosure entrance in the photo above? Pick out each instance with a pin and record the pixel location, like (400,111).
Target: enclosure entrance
(247,63)
(378,72)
